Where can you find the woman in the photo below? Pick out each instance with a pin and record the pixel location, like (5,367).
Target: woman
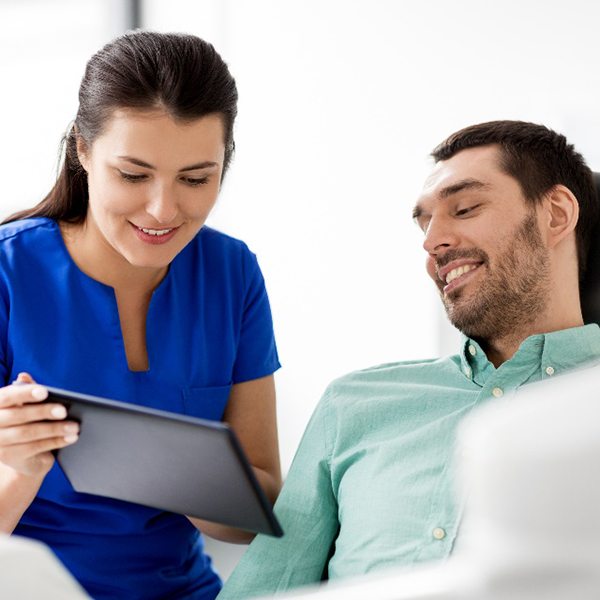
(113,286)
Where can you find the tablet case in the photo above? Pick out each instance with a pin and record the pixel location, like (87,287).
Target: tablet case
(163,460)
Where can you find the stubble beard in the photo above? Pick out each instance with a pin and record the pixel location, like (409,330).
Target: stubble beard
(512,295)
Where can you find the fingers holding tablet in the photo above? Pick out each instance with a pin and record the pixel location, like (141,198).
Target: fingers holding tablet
(31,429)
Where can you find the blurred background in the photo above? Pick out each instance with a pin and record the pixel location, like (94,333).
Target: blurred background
(341,102)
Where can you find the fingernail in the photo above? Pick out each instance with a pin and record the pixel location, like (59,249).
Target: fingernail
(71,438)
(71,427)
(59,412)
(39,393)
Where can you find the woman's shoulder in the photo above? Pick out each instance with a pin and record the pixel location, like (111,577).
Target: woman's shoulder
(211,246)
(220,257)
(26,228)
(209,237)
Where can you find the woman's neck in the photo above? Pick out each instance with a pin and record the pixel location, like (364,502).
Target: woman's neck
(100,261)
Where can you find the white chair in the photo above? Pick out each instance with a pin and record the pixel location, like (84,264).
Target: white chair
(29,570)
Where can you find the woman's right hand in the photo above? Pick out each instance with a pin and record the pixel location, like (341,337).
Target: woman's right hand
(30,430)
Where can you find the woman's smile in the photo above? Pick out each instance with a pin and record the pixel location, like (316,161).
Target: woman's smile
(155,236)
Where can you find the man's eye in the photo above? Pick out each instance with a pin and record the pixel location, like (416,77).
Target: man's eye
(465,211)
(131,177)
(193,181)
(421,223)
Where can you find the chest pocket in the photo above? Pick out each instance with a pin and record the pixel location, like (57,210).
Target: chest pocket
(206,402)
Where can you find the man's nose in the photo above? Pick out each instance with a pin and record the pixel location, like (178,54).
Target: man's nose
(163,205)
(439,235)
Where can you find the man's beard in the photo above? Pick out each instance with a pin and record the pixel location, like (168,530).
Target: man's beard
(512,294)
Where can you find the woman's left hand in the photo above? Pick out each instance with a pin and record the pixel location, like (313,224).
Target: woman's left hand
(251,412)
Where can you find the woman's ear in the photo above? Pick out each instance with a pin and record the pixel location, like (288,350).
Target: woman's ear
(562,214)
(82,150)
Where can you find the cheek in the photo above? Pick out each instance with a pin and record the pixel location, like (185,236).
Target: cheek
(110,196)
(430,266)
(197,205)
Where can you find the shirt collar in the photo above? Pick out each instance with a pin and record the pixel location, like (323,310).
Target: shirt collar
(551,353)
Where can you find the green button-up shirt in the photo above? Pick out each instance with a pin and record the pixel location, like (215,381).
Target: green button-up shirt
(371,484)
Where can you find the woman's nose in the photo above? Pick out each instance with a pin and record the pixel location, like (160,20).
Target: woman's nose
(163,206)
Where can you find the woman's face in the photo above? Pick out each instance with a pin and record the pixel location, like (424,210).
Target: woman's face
(152,183)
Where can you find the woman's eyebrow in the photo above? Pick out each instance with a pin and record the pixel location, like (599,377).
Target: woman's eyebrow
(141,163)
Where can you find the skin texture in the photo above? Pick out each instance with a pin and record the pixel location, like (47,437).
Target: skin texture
(522,258)
(145,170)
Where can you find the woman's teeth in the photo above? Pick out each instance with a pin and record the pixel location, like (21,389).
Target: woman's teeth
(157,232)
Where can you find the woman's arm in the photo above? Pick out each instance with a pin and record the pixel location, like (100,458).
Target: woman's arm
(17,492)
(251,413)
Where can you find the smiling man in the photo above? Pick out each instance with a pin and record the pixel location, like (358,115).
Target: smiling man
(507,215)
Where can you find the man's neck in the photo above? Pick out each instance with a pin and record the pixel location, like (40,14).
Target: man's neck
(499,350)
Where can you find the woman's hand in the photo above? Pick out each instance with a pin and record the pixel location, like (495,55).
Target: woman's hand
(29,430)
(251,412)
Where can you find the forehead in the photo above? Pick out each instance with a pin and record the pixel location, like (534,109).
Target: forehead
(154,135)
(477,165)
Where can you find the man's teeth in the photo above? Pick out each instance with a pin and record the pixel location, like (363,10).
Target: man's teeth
(459,271)
(157,232)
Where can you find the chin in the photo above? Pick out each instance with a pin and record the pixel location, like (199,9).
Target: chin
(147,262)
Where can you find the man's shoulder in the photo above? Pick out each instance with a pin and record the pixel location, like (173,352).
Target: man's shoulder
(394,378)
(400,371)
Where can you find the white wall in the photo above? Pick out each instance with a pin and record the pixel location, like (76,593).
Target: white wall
(44,45)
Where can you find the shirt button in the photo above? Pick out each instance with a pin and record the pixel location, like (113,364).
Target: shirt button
(549,370)
(467,371)
(497,392)
(472,350)
(438,533)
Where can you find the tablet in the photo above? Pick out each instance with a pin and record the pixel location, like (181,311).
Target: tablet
(164,460)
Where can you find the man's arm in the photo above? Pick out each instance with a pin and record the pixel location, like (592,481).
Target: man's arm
(308,513)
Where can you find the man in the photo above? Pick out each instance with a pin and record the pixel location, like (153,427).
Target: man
(507,215)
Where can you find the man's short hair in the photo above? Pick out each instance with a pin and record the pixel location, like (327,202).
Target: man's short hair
(539,159)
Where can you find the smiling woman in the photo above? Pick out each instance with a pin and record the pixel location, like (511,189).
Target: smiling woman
(141,303)
(150,179)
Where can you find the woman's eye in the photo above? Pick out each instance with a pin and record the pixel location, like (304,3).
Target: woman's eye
(131,177)
(193,181)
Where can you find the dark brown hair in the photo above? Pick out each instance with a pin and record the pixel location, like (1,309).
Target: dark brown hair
(179,73)
(539,159)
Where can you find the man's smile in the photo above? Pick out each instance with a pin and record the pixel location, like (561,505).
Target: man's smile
(457,272)
(459,276)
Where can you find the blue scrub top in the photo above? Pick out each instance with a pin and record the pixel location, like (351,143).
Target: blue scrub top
(209,326)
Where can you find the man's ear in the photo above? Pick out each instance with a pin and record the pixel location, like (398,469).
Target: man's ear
(562,214)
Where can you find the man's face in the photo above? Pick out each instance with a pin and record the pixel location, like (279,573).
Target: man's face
(485,250)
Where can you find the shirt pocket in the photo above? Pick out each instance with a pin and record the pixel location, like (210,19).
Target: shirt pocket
(206,402)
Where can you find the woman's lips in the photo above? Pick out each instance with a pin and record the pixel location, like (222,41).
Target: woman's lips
(155,236)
